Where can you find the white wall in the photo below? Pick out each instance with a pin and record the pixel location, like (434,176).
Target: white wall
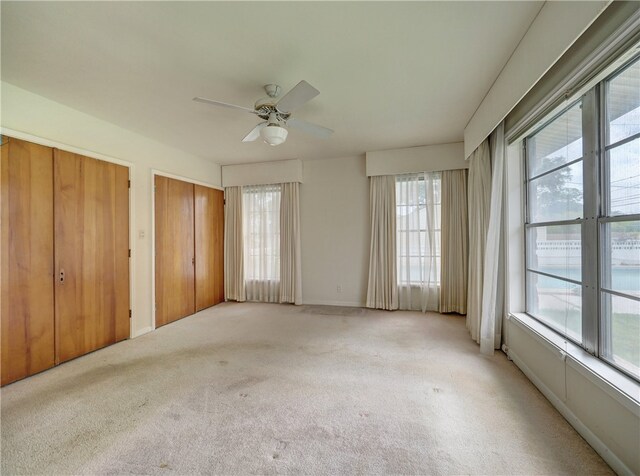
(334,209)
(35,115)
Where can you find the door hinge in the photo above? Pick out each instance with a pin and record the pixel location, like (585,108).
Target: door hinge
(193,261)
(224,201)
(129,183)
(129,252)
(129,313)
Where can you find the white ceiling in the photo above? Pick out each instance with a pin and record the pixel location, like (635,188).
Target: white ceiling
(390,74)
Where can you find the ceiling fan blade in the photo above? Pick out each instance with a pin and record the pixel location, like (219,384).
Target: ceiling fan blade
(295,98)
(309,128)
(223,104)
(255,133)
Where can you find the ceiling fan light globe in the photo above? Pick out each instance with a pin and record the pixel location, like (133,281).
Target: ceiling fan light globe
(273,135)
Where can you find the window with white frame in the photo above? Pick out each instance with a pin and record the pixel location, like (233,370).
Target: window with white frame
(583,220)
(418,229)
(261,223)
(619,221)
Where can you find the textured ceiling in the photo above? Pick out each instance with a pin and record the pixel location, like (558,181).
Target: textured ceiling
(390,74)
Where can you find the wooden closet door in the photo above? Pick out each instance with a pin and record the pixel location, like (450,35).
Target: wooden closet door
(26,297)
(209,229)
(174,243)
(91,254)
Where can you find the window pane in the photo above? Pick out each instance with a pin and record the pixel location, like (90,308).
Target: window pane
(410,190)
(410,269)
(556,303)
(410,243)
(409,217)
(556,250)
(402,266)
(558,143)
(417,242)
(623,104)
(401,242)
(624,179)
(621,331)
(401,220)
(556,196)
(416,270)
(622,257)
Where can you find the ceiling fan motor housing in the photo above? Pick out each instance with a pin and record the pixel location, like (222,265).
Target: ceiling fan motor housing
(269,102)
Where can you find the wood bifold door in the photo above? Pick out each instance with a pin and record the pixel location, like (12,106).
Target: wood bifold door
(189,233)
(64,256)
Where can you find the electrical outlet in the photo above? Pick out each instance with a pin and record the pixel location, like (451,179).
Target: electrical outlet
(339,289)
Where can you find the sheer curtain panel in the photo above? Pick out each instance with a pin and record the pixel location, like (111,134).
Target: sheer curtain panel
(455,242)
(234,289)
(261,224)
(382,289)
(479,205)
(418,241)
(493,290)
(290,260)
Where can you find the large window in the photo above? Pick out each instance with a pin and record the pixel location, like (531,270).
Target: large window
(619,223)
(555,217)
(583,220)
(418,229)
(261,223)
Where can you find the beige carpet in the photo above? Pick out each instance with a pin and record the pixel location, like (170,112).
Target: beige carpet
(262,388)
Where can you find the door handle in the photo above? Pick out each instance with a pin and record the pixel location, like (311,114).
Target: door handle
(61,277)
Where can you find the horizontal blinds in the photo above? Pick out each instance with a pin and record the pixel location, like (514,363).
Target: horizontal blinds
(614,31)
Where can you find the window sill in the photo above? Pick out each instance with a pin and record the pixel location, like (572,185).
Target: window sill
(619,386)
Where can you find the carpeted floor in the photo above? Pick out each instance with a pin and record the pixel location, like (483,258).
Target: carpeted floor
(265,388)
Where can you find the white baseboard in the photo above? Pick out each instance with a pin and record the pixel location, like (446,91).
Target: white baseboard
(612,460)
(140,332)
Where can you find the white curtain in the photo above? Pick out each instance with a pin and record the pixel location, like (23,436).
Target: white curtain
(479,205)
(233,246)
(493,290)
(290,258)
(418,240)
(382,289)
(261,226)
(455,242)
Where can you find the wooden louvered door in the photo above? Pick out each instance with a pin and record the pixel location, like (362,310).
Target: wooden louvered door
(209,246)
(26,242)
(91,279)
(174,249)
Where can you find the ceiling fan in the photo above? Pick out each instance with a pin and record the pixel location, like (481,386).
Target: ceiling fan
(276,113)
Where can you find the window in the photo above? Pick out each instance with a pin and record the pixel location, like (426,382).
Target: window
(619,224)
(583,220)
(555,218)
(261,223)
(418,229)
